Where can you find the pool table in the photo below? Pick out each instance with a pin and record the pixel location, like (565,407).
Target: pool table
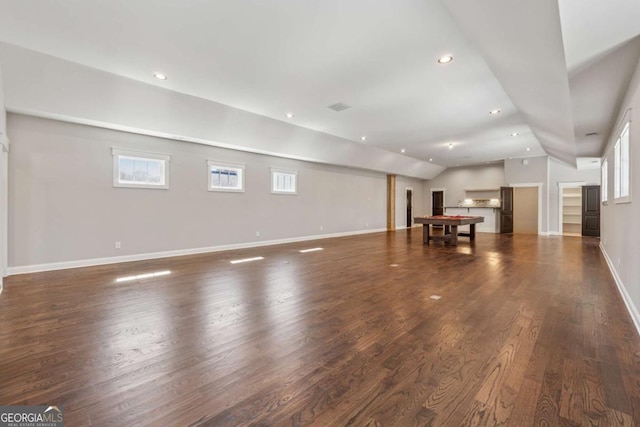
(451,223)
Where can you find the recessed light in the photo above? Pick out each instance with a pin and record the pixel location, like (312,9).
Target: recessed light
(496,111)
(159,76)
(528,149)
(515,134)
(430,159)
(403,150)
(289,115)
(450,146)
(363,138)
(445,59)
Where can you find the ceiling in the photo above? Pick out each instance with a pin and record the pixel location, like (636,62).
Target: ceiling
(555,70)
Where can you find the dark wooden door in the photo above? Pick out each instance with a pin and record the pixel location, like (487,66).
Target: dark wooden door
(409,207)
(591,210)
(437,203)
(506,210)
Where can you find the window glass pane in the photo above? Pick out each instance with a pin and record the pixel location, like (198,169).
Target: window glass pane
(132,170)
(284,182)
(605,180)
(226,177)
(616,170)
(215,178)
(154,172)
(624,162)
(125,167)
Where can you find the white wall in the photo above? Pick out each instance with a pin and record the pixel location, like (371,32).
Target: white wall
(620,229)
(64,208)
(45,86)
(456,180)
(561,173)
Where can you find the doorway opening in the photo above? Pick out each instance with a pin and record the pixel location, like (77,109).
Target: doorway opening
(525,210)
(409,207)
(437,203)
(571,209)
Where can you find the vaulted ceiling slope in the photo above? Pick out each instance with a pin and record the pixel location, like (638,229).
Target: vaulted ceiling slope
(532,60)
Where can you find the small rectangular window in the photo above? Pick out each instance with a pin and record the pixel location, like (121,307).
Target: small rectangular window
(283,181)
(604,193)
(621,168)
(225,176)
(136,169)
(616,170)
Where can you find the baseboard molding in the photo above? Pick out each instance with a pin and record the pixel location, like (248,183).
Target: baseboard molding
(631,308)
(26,269)
(550,233)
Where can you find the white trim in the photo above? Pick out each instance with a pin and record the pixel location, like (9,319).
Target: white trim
(412,207)
(4,142)
(616,164)
(143,155)
(238,166)
(25,269)
(631,308)
(288,172)
(539,185)
(561,187)
(552,233)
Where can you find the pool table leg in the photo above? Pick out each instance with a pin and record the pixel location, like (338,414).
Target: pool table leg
(454,235)
(472,232)
(425,234)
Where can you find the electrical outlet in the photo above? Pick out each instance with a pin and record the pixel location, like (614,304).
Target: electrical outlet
(257,234)
(118,245)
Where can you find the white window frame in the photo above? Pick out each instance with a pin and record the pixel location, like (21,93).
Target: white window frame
(238,167)
(277,171)
(604,193)
(622,166)
(143,155)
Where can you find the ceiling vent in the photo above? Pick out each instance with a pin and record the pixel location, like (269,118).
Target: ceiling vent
(591,134)
(339,107)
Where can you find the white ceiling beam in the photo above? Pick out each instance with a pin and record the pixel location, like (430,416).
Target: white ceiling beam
(521,41)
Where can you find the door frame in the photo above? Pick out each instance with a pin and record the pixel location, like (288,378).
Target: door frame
(561,187)
(4,207)
(412,205)
(533,184)
(444,198)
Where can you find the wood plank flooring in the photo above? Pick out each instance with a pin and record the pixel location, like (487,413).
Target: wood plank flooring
(529,331)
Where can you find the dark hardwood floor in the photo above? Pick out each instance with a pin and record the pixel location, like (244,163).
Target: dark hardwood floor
(529,331)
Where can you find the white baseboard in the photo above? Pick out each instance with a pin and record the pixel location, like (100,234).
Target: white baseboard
(631,308)
(550,233)
(25,269)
